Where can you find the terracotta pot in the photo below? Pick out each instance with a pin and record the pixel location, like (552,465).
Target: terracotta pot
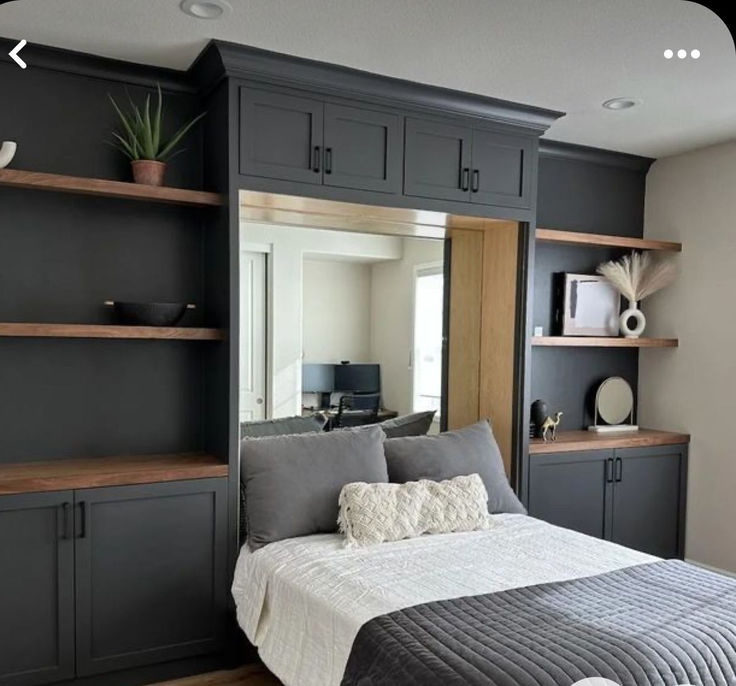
(149,172)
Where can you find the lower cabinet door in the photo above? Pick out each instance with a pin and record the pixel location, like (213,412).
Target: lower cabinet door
(150,573)
(36,588)
(648,499)
(572,490)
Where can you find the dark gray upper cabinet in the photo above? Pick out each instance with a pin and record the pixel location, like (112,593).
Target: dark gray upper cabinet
(150,573)
(501,169)
(569,489)
(362,149)
(633,496)
(646,501)
(36,588)
(281,136)
(437,160)
(449,162)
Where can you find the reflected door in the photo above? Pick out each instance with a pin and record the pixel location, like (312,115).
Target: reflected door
(252,336)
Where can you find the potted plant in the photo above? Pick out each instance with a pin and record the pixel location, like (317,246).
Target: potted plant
(141,139)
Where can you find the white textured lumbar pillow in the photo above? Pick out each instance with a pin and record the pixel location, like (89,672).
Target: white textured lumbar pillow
(379,512)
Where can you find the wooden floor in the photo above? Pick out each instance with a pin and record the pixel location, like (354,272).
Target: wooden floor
(250,675)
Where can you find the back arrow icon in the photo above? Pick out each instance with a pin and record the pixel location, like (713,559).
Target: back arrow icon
(14,54)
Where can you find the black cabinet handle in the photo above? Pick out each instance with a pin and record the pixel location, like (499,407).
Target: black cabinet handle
(465,179)
(476,181)
(619,469)
(83,520)
(328,160)
(609,470)
(315,159)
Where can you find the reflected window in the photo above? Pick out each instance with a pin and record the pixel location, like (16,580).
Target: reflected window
(427,353)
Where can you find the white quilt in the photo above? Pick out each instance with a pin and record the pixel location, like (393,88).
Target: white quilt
(303,600)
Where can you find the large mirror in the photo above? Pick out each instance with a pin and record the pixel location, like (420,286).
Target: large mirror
(343,326)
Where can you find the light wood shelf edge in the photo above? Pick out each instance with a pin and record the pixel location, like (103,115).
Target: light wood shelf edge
(570,441)
(39,330)
(603,342)
(600,240)
(17,178)
(69,474)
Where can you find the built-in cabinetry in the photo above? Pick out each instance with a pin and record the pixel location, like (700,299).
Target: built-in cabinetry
(304,139)
(104,579)
(478,165)
(634,496)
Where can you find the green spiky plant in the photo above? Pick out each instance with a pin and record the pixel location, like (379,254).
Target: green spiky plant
(141,134)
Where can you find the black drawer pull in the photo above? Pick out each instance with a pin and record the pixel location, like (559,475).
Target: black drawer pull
(83,520)
(476,181)
(315,159)
(465,179)
(609,470)
(328,160)
(619,469)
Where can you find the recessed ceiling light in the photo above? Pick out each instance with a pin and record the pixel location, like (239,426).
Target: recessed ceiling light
(205,9)
(621,103)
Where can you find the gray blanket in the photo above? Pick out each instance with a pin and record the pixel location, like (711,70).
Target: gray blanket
(663,623)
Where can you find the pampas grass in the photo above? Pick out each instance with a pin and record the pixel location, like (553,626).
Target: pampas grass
(637,276)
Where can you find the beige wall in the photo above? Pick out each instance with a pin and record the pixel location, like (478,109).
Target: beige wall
(692,198)
(337,311)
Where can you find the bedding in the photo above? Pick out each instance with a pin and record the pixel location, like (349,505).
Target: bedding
(302,601)
(371,514)
(470,450)
(656,624)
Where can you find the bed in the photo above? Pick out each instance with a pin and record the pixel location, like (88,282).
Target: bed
(523,603)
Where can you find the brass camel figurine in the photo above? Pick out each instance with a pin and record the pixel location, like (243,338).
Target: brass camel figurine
(550,423)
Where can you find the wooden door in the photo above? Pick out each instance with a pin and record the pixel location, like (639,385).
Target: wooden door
(437,160)
(572,490)
(151,582)
(648,499)
(280,136)
(36,588)
(362,149)
(502,167)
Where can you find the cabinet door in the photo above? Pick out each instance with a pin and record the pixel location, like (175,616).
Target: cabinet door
(572,490)
(36,588)
(437,160)
(648,499)
(362,149)
(501,169)
(280,136)
(150,573)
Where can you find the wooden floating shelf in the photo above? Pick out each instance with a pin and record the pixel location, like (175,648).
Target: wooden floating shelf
(111,189)
(599,240)
(63,474)
(570,441)
(28,330)
(603,342)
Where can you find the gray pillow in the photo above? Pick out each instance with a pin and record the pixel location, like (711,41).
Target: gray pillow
(472,450)
(416,424)
(282,426)
(292,483)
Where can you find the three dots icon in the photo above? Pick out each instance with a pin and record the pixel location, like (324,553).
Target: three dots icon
(681,53)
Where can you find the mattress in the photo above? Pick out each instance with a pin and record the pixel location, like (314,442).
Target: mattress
(302,601)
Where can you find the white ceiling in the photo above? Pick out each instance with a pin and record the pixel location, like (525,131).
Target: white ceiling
(568,55)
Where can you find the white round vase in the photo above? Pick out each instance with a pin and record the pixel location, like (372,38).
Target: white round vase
(633,312)
(7,152)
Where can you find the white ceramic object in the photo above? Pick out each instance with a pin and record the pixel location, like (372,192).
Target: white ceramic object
(7,153)
(632,313)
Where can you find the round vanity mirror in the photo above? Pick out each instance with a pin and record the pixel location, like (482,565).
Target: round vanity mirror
(614,400)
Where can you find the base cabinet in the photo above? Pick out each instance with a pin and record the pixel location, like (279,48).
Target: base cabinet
(104,579)
(632,496)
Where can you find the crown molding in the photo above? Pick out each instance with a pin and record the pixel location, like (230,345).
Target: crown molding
(221,59)
(583,153)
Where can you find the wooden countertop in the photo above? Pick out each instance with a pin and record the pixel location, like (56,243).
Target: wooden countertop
(67,474)
(569,441)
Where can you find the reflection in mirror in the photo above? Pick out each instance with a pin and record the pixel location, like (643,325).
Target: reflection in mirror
(343,325)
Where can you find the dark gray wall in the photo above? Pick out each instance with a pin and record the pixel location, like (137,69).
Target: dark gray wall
(593,191)
(61,256)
